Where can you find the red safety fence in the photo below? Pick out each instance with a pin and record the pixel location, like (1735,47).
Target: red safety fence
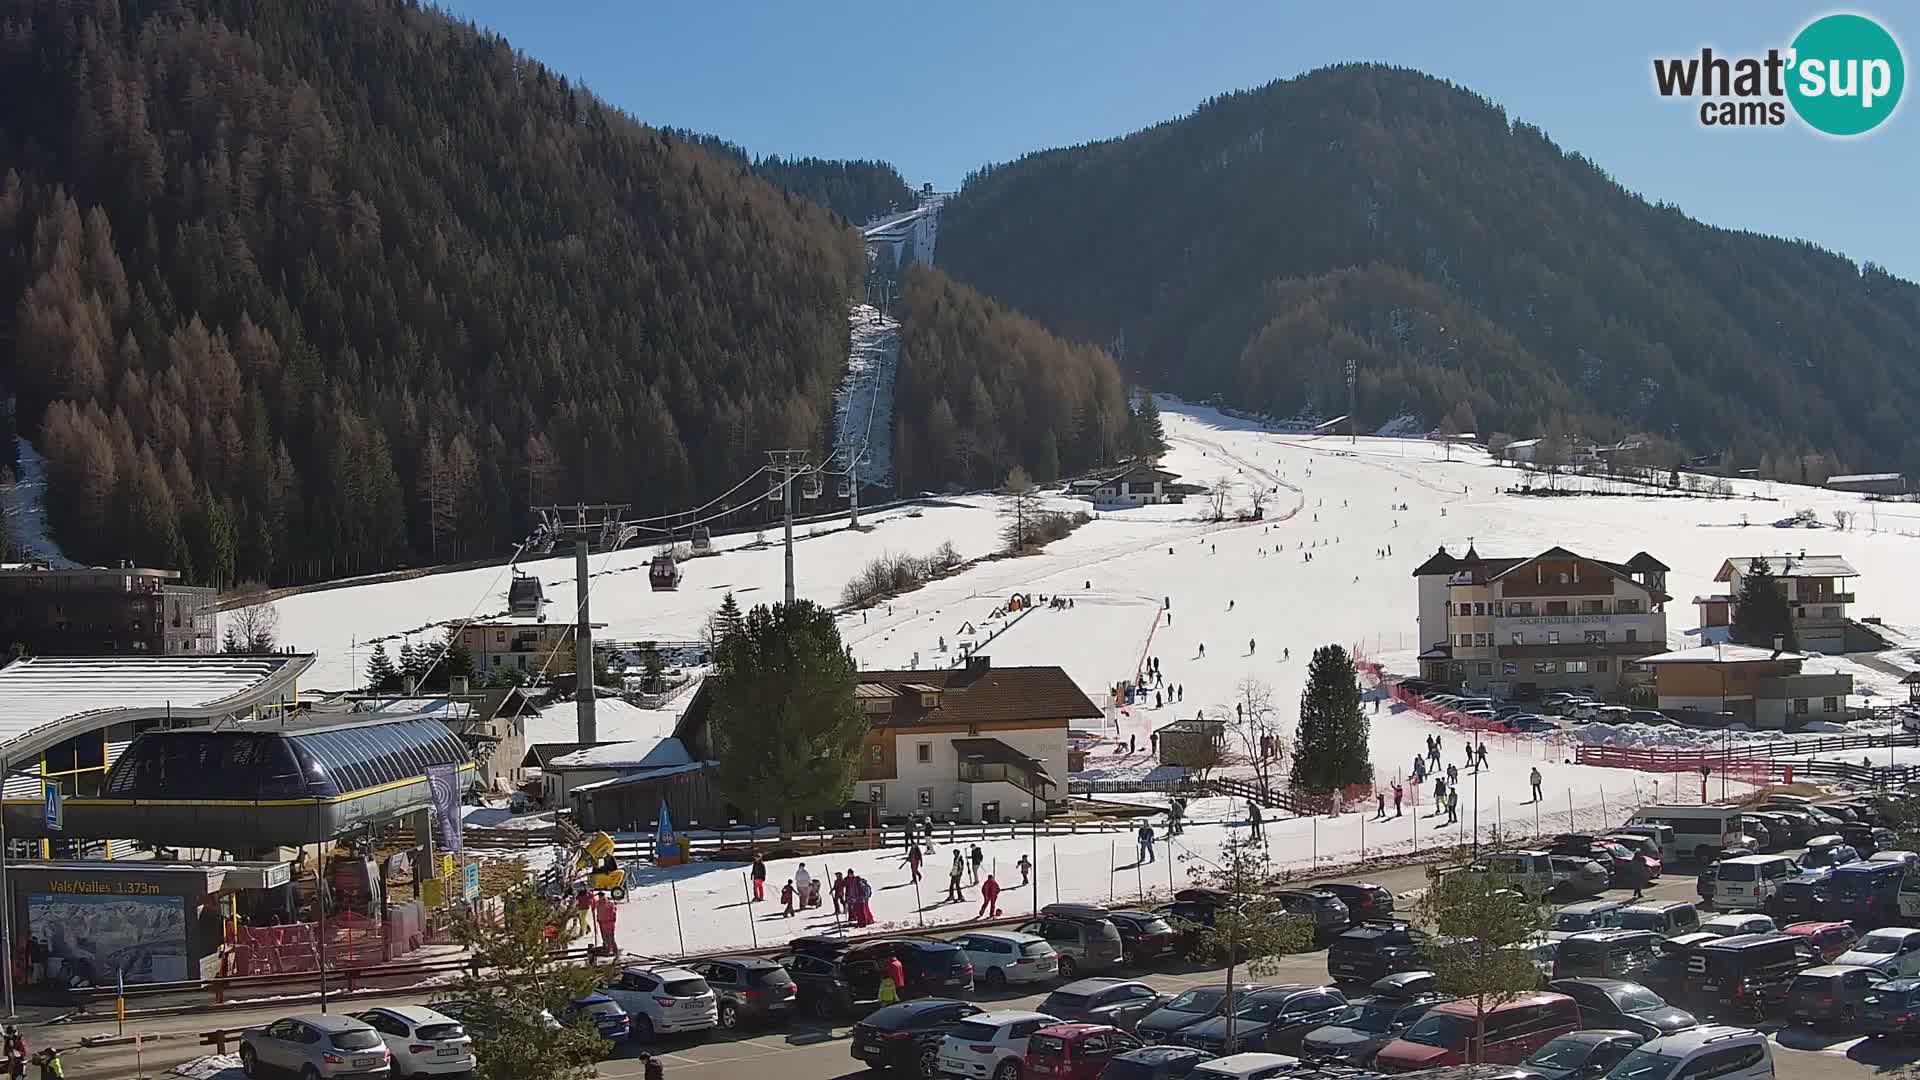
(352,941)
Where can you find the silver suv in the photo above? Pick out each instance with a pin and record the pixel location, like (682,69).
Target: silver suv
(316,1044)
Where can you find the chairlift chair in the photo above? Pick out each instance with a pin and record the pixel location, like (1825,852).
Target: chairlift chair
(812,488)
(846,487)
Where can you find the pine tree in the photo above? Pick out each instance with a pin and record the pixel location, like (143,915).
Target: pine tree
(539,983)
(410,662)
(381,674)
(1149,433)
(1761,612)
(1330,748)
(724,624)
(785,730)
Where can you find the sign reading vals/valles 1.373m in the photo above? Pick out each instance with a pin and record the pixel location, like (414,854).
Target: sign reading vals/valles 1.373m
(1842,75)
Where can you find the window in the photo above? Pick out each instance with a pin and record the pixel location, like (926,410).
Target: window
(1509,668)
(1546,667)
(1466,641)
(1829,612)
(1519,638)
(1600,666)
(926,798)
(1626,606)
(499,637)
(923,752)
(1520,608)
(1557,607)
(1561,578)
(1479,609)
(1799,706)
(1482,640)
(1576,667)
(1596,637)
(1487,669)
(1553,637)
(877,794)
(929,701)
(1830,704)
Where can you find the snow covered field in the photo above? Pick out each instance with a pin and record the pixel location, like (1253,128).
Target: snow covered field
(1245,592)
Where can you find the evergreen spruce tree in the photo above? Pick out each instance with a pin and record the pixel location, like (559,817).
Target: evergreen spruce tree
(410,663)
(456,660)
(1761,612)
(724,624)
(785,730)
(381,674)
(1331,747)
(1150,434)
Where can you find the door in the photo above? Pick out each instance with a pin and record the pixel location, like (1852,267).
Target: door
(990,812)
(276,1044)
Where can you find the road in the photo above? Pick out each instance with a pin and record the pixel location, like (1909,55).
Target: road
(805,1051)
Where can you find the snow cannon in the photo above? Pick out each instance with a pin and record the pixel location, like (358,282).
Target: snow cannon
(604,872)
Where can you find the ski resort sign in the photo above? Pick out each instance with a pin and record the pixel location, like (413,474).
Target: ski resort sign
(1842,75)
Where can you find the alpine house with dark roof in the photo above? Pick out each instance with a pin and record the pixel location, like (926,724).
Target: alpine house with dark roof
(1552,620)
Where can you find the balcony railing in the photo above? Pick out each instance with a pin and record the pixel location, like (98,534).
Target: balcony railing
(993,772)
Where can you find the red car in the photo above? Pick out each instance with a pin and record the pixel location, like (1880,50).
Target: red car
(1075,1051)
(1829,939)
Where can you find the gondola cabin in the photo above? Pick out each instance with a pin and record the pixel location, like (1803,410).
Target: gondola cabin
(664,573)
(702,541)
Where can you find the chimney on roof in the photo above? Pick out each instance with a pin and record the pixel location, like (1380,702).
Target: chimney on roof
(979,662)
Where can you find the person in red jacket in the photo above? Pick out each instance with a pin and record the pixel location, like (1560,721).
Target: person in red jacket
(989,896)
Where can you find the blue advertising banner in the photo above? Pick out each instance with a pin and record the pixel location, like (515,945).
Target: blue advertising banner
(443,782)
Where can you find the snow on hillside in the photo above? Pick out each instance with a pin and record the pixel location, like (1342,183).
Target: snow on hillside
(24,503)
(863,403)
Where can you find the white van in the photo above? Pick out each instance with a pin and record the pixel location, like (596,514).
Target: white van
(1700,832)
(1663,835)
(1746,883)
(1720,1051)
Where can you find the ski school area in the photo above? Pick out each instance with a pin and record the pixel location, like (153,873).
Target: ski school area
(1208,606)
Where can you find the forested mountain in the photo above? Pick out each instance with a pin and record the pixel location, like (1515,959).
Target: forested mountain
(856,190)
(307,288)
(1455,256)
(981,389)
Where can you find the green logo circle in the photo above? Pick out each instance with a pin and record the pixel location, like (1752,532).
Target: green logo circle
(1847,74)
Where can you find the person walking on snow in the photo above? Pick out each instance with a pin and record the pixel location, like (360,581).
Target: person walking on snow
(976,858)
(1153,743)
(1534,779)
(1026,870)
(1398,793)
(1253,820)
(606,912)
(838,889)
(759,878)
(954,875)
(1249,646)
(1483,755)
(1379,806)
(1203,650)
(989,899)
(786,899)
(913,861)
(802,884)
(1144,839)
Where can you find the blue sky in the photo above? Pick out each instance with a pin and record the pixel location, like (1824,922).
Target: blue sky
(939,89)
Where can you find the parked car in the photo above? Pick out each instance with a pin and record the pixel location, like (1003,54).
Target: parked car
(1250,1066)
(315,1044)
(1800,897)
(1144,936)
(1668,918)
(1581,1055)
(472,1016)
(1892,950)
(1085,939)
(608,1017)
(1189,1007)
(1732,925)
(1719,1051)
(1623,1005)
(1607,954)
(747,989)
(664,1001)
(1892,1008)
(932,966)
(991,1044)
(1000,957)
(1750,972)
(1358,1032)
(1663,835)
(1328,913)
(1513,1030)
(1151,1063)
(908,1036)
(1366,902)
(1368,952)
(1586,915)
(819,987)
(1574,875)
(1103,1000)
(1830,994)
(1829,938)
(1821,851)
(1273,1020)
(1645,847)
(1076,1051)
(421,1041)
(1865,893)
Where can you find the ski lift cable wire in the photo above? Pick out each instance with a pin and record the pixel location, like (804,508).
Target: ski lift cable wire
(473,614)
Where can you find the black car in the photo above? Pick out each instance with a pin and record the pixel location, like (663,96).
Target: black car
(1365,902)
(1328,913)
(1607,954)
(1831,994)
(1153,1063)
(1355,1035)
(819,988)
(908,1036)
(1373,950)
(1144,936)
(750,989)
(1628,1006)
(1187,1008)
(1747,972)
(1797,899)
(1120,1002)
(1581,1055)
(1892,1008)
(932,966)
(1273,1020)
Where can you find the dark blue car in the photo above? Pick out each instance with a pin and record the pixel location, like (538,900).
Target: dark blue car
(609,1019)
(1866,894)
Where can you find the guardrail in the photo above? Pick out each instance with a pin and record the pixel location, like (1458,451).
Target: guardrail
(1745,756)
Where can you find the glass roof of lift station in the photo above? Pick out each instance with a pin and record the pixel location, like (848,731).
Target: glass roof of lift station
(315,759)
